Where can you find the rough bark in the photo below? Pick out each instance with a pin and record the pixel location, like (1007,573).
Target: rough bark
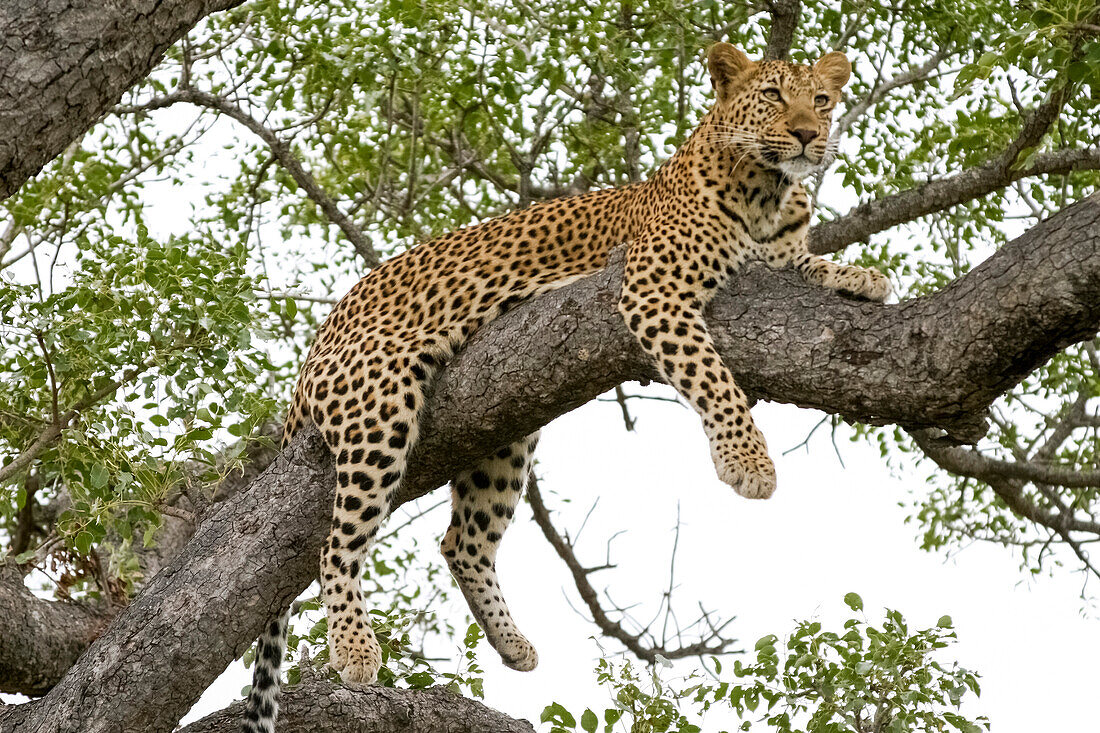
(39,639)
(785,16)
(934,361)
(251,554)
(64,63)
(320,705)
(937,361)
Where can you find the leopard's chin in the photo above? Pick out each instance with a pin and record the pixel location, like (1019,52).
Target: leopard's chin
(798,167)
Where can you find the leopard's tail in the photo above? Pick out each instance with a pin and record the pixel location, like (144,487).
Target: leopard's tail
(262,706)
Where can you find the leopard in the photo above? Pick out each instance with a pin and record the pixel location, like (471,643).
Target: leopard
(730,194)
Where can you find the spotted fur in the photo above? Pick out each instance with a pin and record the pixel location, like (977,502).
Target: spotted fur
(729,194)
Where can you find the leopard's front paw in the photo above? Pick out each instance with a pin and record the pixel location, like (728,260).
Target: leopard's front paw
(875,286)
(519,654)
(752,478)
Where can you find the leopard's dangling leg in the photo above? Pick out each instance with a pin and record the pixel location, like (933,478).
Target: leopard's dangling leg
(370,434)
(665,313)
(483,500)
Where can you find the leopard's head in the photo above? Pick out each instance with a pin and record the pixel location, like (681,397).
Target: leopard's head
(775,112)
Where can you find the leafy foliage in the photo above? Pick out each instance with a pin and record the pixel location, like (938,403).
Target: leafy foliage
(861,679)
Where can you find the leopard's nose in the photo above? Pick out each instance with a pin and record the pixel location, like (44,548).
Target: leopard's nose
(805,135)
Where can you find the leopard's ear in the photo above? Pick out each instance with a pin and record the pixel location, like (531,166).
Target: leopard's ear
(729,66)
(834,69)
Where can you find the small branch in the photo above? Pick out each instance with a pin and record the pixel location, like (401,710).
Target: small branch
(879,91)
(785,16)
(881,214)
(1000,171)
(53,377)
(1008,480)
(53,431)
(287,294)
(282,152)
(620,397)
(633,642)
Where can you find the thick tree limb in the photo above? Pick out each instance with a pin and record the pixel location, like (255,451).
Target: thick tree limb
(64,63)
(249,556)
(319,705)
(40,640)
(935,361)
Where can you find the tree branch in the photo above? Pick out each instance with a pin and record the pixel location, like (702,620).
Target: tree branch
(40,640)
(635,643)
(280,150)
(785,16)
(321,705)
(880,90)
(54,429)
(934,361)
(881,214)
(63,64)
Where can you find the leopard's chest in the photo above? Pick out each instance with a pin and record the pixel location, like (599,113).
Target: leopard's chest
(763,214)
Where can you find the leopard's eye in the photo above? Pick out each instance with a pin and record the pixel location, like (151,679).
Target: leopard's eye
(821,100)
(773,94)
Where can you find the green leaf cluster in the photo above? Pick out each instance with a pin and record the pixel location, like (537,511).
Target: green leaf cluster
(858,679)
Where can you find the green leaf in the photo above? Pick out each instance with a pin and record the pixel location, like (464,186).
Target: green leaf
(554,712)
(83,542)
(853,601)
(944,622)
(765,642)
(1078,71)
(98,476)
(589,721)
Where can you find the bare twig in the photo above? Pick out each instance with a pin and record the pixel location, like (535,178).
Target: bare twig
(713,643)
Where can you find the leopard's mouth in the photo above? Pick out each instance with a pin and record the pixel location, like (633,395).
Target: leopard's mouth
(798,166)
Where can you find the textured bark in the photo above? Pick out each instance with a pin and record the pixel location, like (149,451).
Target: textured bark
(250,554)
(937,361)
(934,361)
(785,16)
(319,705)
(63,63)
(40,640)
